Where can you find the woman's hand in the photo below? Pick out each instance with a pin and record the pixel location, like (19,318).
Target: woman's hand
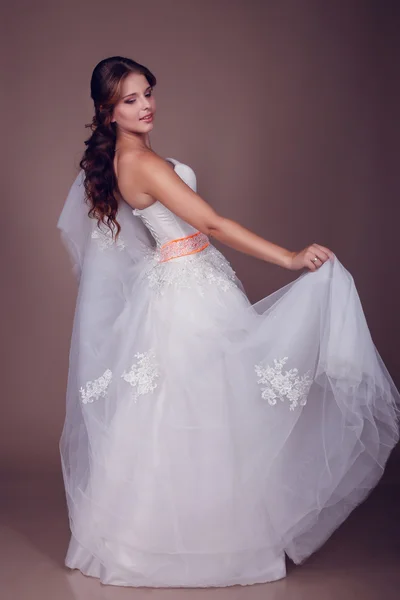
(312,257)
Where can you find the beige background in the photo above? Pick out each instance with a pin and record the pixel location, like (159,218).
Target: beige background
(286,110)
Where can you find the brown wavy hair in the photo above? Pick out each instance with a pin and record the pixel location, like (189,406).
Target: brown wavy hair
(100,181)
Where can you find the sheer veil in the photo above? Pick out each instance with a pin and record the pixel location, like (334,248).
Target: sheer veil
(106,276)
(77,230)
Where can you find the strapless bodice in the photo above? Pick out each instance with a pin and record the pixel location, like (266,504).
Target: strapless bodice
(162,223)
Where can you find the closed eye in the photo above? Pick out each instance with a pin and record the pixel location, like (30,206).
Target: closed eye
(132,100)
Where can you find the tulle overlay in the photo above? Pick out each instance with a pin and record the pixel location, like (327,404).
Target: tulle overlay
(205,437)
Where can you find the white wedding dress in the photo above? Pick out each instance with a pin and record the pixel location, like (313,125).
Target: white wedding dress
(206,438)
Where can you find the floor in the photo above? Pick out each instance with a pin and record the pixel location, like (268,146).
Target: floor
(361,561)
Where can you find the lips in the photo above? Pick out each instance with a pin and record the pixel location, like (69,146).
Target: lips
(147,117)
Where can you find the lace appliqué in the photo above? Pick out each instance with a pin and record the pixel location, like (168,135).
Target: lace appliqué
(104,238)
(191,244)
(281,386)
(207,267)
(94,389)
(143,374)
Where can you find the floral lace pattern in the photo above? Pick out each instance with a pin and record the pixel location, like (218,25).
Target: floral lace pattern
(208,267)
(281,385)
(143,373)
(94,389)
(182,247)
(105,240)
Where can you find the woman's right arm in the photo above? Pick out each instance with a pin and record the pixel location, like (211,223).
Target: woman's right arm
(153,176)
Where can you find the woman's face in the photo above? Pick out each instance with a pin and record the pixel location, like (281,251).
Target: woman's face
(136,102)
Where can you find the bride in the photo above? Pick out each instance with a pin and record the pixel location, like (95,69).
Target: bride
(205,438)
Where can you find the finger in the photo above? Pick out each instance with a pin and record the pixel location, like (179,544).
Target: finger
(313,253)
(323,258)
(324,249)
(317,254)
(311,264)
(320,252)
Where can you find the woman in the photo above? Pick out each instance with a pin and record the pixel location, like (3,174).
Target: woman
(205,438)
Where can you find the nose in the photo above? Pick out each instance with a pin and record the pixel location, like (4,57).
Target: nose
(146,103)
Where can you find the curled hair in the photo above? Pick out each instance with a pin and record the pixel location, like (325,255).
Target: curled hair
(100,181)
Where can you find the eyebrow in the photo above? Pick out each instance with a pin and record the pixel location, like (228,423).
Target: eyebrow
(134,93)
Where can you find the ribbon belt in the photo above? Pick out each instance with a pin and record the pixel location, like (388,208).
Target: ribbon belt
(184,246)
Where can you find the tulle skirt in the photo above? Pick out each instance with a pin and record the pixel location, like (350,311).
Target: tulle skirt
(215,436)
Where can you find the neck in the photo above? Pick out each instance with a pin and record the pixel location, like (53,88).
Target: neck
(134,141)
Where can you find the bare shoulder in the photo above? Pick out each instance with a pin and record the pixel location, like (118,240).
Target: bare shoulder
(143,161)
(133,165)
(146,178)
(149,163)
(132,168)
